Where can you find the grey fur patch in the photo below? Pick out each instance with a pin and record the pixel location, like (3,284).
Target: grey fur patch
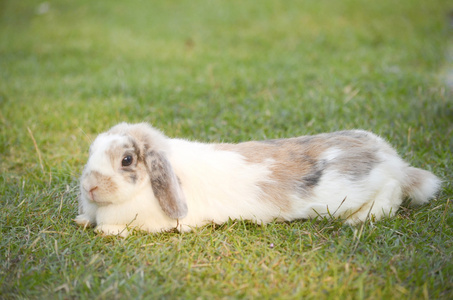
(133,177)
(358,154)
(357,164)
(130,174)
(165,185)
(312,179)
(136,148)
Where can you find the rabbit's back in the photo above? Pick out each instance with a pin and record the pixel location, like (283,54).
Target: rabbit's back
(336,173)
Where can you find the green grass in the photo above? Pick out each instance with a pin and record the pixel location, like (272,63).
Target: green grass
(220,71)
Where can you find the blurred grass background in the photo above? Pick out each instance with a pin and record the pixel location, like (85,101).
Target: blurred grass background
(220,71)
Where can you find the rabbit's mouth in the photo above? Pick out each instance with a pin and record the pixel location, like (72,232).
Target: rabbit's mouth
(98,200)
(101,203)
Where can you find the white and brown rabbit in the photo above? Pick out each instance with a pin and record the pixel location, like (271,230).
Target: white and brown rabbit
(136,177)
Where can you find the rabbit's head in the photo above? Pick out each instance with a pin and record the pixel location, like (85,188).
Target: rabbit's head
(124,162)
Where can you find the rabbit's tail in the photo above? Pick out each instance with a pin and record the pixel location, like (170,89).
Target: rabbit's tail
(420,185)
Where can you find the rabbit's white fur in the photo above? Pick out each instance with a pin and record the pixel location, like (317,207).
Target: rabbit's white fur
(176,183)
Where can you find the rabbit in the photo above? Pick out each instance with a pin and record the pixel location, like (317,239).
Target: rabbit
(138,178)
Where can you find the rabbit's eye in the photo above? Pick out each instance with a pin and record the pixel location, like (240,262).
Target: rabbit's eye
(127,161)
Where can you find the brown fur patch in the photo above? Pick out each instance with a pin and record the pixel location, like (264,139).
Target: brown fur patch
(114,153)
(294,168)
(297,164)
(104,183)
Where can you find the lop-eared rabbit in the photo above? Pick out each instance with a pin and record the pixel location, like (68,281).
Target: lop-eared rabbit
(136,177)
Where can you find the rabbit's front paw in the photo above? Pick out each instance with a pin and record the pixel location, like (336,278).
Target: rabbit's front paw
(83,221)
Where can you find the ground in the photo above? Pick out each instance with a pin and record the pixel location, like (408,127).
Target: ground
(221,71)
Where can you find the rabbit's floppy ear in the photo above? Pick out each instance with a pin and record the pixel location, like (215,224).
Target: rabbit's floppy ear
(165,185)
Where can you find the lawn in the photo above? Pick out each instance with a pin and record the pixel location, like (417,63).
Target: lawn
(221,71)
